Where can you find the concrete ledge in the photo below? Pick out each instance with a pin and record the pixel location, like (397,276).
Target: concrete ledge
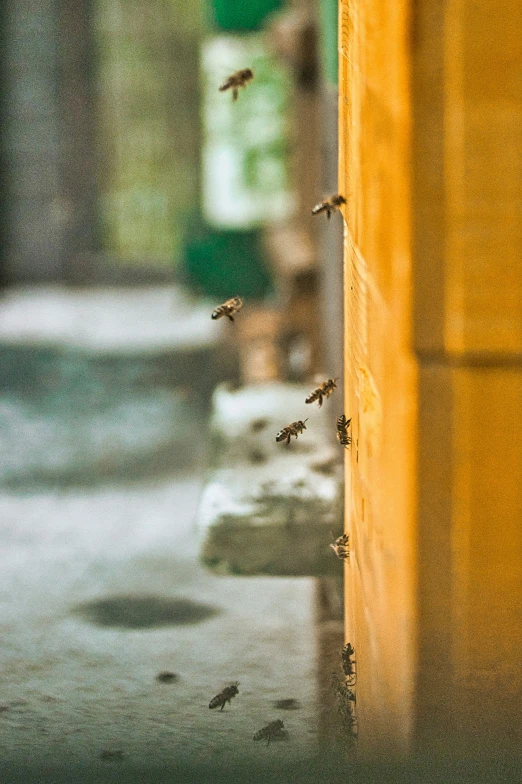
(269,508)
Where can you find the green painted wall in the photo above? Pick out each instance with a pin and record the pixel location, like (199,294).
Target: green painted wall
(328,13)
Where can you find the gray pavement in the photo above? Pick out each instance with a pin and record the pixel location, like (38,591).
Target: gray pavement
(100,585)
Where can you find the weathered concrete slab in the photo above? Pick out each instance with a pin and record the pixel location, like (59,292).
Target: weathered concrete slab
(100,384)
(269,508)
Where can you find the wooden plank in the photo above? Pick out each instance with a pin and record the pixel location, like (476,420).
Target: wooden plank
(468,176)
(469,561)
(434,585)
(379,368)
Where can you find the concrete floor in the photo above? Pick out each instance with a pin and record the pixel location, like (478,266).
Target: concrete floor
(100,587)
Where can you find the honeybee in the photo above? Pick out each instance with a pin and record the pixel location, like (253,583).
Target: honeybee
(237,80)
(270,731)
(343,693)
(343,425)
(349,665)
(324,390)
(228,308)
(224,696)
(341,546)
(329,205)
(291,430)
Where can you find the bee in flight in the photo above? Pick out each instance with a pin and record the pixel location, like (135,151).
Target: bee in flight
(324,390)
(349,665)
(343,426)
(341,546)
(224,696)
(329,205)
(291,430)
(237,80)
(228,309)
(271,730)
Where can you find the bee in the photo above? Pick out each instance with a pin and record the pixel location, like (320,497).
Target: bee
(341,546)
(271,730)
(349,665)
(237,80)
(324,390)
(345,696)
(343,425)
(329,205)
(224,696)
(228,308)
(291,430)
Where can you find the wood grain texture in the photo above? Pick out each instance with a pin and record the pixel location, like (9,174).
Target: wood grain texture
(467,109)
(430,160)
(379,371)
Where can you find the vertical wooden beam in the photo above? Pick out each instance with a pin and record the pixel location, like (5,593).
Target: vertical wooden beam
(31,140)
(78,155)
(379,367)
(467,261)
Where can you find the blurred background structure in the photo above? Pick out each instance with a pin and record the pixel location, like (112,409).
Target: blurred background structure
(135,199)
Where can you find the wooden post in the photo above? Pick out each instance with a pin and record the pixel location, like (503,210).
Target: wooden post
(431,162)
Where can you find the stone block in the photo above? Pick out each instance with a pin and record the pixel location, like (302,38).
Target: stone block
(269,508)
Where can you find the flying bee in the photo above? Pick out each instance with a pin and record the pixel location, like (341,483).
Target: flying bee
(349,665)
(324,390)
(224,696)
(329,205)
(341,546)
(237,80)
(271,730)
(291,430)
(343,426)
(228,309)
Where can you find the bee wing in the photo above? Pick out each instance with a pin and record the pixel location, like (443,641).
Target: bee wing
(227,84)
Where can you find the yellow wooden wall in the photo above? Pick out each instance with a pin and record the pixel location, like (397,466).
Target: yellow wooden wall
(431,164)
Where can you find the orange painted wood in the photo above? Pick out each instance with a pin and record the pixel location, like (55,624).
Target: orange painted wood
(430,161)
(379,370)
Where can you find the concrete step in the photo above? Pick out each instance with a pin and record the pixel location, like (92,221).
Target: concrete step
(102,384)
(269,508)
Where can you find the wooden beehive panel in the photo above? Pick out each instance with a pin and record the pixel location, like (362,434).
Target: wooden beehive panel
(468,177)
(379,372)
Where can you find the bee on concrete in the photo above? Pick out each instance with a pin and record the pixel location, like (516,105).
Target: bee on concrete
(343,426)
(349,665)
(271,730)
(341,546)
(228,309)
(237,80)
(324,390)
(329,205)
(291,430)
(224,696)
